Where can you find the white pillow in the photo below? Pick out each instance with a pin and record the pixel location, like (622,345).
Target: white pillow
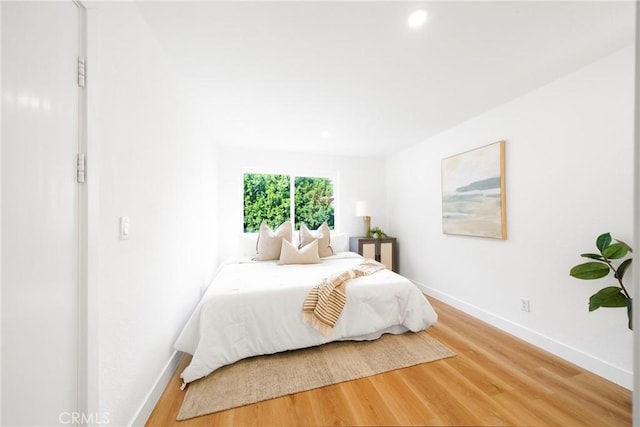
(339,241)
(322,235)
(270,242)
(305,255)
(248,244)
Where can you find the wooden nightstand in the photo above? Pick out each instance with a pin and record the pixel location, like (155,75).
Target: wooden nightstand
(384,250)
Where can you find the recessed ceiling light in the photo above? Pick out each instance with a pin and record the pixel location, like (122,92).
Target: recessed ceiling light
(417,18)
(325,134)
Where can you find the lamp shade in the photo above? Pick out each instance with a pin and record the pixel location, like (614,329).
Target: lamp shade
(363,208)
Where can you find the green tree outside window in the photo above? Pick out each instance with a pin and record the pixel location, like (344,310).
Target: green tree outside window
(267,197)
(313,202)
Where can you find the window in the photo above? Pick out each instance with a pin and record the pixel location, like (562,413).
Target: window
(313,202)
(279,198)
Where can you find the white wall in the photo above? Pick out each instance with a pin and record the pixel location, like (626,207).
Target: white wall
(0,214)
(356,178)
(636,210)
(145,163)
(569,169)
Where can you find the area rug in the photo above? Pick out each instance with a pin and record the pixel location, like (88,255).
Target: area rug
(266,377)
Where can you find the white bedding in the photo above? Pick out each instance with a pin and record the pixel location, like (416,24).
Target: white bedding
(255,307)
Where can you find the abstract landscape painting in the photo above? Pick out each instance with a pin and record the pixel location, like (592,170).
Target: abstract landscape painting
(473,193)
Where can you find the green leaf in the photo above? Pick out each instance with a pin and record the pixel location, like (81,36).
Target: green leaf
(589,270)
(625,245)
(615,251)
(603,241)
(607,297)
(592,256)
(629,310)
(623,267)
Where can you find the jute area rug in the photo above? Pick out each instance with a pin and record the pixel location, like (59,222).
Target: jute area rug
(266,377)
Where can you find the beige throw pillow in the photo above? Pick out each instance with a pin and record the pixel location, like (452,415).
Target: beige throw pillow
(289,254)
(270,242)
(322,235)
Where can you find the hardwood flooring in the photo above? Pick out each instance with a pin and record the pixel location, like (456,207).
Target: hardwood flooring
(495,380)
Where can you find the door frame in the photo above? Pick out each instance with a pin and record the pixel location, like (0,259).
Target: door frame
(87,390)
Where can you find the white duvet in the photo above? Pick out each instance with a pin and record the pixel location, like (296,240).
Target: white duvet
(255,307)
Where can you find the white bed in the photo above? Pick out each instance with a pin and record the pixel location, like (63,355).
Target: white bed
(255,307)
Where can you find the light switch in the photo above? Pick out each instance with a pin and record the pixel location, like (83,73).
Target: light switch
(124,227)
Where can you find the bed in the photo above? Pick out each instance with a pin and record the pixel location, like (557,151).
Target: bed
(255,307)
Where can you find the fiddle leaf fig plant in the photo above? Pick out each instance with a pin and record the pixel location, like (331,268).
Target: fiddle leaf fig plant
(608,260)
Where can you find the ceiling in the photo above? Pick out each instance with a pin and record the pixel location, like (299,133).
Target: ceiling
(352,78)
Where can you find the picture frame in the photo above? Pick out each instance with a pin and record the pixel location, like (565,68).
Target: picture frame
(474,193)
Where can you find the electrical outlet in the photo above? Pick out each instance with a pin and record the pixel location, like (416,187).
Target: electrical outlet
(524,305)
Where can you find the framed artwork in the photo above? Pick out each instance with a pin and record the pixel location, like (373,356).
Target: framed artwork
(473,193)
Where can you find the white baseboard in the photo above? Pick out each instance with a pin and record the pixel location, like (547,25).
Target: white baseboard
(586,361)
(150,401)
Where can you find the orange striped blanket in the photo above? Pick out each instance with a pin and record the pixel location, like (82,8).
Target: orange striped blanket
(324,303)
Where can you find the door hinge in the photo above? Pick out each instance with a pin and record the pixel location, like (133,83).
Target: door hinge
(82,71)
(81,168)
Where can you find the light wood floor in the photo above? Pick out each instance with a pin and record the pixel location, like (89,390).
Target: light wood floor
(494,380)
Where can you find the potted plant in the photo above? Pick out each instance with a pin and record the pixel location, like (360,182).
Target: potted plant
(601,265)
(376,233)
